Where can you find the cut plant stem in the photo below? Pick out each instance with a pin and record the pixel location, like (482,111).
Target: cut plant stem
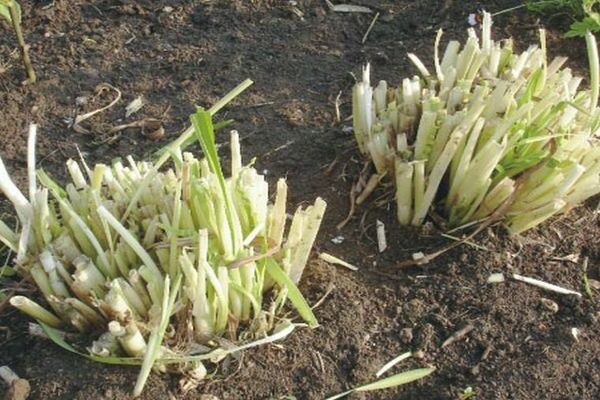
(328,258)
(35,311)
(381,240)
(545,285)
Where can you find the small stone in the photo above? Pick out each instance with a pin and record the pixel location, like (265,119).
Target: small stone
(549,305)
(208,397)
(168,9)
(475,370)
(418,355)
(591,318)
(387,18)
(575,334)
(497,277)
(338,239)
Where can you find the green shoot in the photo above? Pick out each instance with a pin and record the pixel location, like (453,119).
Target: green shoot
(11,11)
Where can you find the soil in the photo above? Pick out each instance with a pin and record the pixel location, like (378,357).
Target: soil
(178,54)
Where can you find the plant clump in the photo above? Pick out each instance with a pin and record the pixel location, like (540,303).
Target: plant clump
(490,133)
(157,265)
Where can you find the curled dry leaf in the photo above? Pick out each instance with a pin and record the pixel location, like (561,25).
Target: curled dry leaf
(99,90)
(153,129)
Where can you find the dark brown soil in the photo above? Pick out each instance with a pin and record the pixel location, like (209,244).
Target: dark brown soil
(198,50)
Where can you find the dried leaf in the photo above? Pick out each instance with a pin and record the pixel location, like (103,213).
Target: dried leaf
(349,8)
(134,106)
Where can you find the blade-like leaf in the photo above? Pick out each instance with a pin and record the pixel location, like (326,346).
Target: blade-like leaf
(48,182)
(205,133)
(396,380)
(293,292)
(392,381)
(54,335)
(156,337)
(189,132)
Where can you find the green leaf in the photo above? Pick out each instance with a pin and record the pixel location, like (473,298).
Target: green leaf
(392,381)
(191,140)
(188,133)
(235,92)
(294,293)
(205,133)
(48,182)
(218,353)
(5,10)
(579,28)
(5,13)
(157,335)
(396,380)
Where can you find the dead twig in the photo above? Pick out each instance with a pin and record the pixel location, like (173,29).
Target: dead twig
(352,196)
(458,335)
(338,116)
(371,25)
(322,299)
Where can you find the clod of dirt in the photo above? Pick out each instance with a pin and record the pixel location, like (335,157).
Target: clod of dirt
(406,335)
(424,337)
(18,390)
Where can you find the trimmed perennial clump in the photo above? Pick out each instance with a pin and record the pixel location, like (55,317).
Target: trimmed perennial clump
(492,133)
(157,265)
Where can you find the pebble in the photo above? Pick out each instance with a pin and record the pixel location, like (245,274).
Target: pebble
(549,305)
(591,319)
(418,355)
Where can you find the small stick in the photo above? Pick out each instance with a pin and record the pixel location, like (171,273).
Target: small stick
(381,240)
(393,362)
(458,335)
(322,299)
(586,281)
(364,39)
(352,195)
(369,188)
(80,118)
(328,258)
(544,285)
(338,116)
(468,242)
